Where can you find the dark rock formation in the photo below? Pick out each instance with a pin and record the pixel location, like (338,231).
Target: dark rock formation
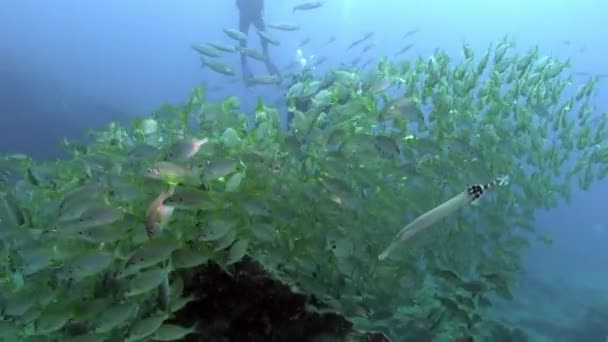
(248,305)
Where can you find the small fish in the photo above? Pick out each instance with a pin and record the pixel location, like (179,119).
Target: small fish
(86,265)
(52,321)
(448,276)
(219,168)
(237,251)
(122,191)
(360,40)
(234,181)
(114,317)
(86,311)
(380,85)
(184,149)
(404,49)
(235,34)
(387,146)
(340,192)
(102,234)
(470,195)
(93,217)
(264,79)
(403,106)
(147,281)
(342,248)
(410,33)
(308,6)
(80,194)
(176,286)
(265,36)
(18,304)
(172,332)
(319,61)
(284,26)
(170,172)
(264,232)
(73,210)
(216,229)
(189,257)
(206,50)
(304,42)
(37,260)
(178,303)
(158,214)
(354,44)
(225,241)
(255,207)
(251,53)
(148,254)
(188,198)
(368,47)
(218,67)
(145,327)
(222,47)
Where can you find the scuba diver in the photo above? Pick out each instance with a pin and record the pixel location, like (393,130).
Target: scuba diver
(250,12)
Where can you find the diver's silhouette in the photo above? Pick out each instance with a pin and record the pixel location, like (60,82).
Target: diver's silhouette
(250,12)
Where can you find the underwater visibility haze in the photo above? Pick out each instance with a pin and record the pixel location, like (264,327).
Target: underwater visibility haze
(337,170)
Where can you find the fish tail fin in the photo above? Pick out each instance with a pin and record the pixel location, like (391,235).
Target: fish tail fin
(503,180)
(498,181)
(203,62)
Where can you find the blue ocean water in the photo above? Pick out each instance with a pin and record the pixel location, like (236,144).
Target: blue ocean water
(67,66)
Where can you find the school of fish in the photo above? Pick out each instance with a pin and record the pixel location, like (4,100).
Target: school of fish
(374,199)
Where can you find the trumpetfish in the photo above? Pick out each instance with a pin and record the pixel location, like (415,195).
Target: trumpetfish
(470,195)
